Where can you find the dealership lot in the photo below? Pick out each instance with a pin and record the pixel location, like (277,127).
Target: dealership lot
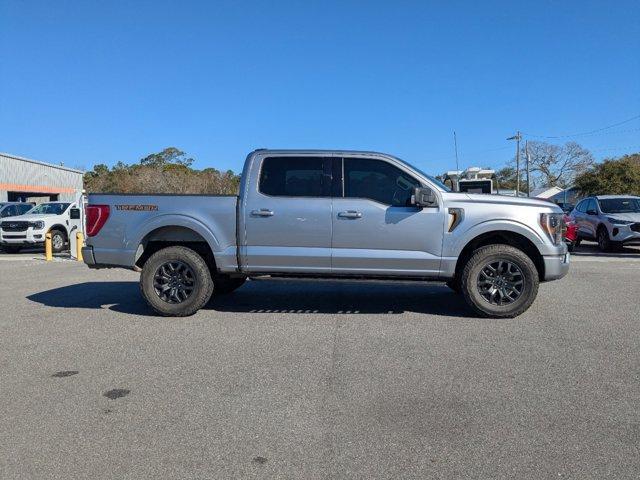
(316,379)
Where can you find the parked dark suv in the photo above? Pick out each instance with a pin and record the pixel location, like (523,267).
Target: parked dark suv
(611,220)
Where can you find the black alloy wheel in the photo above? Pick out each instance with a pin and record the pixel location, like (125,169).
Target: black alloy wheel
(174,282)
(500,282)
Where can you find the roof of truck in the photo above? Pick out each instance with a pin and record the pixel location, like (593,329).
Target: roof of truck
(320,151)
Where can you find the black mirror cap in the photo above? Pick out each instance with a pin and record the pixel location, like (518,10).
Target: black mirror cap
(74,214)
(424,197)
(591,212)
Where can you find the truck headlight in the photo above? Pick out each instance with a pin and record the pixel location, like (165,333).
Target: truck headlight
(554,226)
(37,225)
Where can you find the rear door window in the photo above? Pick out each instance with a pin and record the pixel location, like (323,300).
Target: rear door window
(294,177)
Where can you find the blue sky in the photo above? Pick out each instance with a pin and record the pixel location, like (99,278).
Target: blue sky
(89,82)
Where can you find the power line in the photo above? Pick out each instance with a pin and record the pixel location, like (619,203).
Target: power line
(590,132)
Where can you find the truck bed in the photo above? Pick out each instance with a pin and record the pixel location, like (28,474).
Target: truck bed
(135,219)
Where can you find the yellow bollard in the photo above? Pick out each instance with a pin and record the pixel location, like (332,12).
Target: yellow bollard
(48,250)
(79,244)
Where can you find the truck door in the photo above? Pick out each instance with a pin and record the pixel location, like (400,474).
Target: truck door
(376,230)
(579,215)
(286,214)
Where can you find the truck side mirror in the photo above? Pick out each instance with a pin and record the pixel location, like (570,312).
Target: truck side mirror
(424,197)
(591,212)
(74,214)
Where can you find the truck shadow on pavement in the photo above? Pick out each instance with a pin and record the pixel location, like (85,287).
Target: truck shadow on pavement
(276,296)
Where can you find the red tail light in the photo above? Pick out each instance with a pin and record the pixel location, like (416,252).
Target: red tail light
(96,218)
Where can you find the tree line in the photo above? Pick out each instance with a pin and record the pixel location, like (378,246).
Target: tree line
(168,171)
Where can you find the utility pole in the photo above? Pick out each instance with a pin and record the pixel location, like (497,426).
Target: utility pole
(517,137)
(526,150)
(455,146)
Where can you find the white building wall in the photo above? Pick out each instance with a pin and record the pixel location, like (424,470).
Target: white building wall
(19,174)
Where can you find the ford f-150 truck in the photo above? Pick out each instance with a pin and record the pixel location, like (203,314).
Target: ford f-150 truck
(329,214)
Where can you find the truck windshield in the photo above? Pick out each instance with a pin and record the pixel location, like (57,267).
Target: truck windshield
(50,209)
(620,205)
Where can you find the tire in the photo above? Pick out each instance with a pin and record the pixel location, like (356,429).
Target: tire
(223,284)
(58,240)
(604,244)
(182,289)
(454,284)
(514,269)
(11,249)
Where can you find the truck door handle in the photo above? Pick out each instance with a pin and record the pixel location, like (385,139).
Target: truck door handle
(350,214)
(263,212)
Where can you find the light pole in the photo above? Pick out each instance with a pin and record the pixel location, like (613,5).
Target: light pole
(517,137)
(526,151)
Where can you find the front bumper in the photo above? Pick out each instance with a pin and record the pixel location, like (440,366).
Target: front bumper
(556,266)
(624,235)
(27,237)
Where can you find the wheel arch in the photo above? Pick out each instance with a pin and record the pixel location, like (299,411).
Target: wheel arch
(61,227)
(174,235)
(505,237)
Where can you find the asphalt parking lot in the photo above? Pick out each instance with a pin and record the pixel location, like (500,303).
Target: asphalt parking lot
(308,379)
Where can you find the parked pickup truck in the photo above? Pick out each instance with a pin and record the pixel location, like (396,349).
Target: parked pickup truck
(329,214)
(61,219)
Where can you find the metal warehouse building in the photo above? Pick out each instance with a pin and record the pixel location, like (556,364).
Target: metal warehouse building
(22,179)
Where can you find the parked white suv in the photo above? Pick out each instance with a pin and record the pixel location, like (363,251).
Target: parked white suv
(30,229)
(611,220)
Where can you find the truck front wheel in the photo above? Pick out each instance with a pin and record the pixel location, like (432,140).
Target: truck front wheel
(58,240)
(499,281)
(176,282)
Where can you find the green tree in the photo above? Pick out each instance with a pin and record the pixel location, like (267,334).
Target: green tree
(168,156)
(619,176)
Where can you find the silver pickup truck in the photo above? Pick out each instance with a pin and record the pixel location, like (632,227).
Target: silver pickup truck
(318,213)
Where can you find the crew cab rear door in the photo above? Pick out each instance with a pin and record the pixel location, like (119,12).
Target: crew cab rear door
(376,229)
(286,215)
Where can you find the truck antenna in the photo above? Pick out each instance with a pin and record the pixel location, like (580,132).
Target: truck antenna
(455,146)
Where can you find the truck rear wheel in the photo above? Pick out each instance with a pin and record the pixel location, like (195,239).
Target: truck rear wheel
(176,282)
(499,281)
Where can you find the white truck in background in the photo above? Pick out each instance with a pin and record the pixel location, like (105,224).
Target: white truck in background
(61,219)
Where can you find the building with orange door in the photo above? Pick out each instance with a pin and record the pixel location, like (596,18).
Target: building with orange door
(26,180)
